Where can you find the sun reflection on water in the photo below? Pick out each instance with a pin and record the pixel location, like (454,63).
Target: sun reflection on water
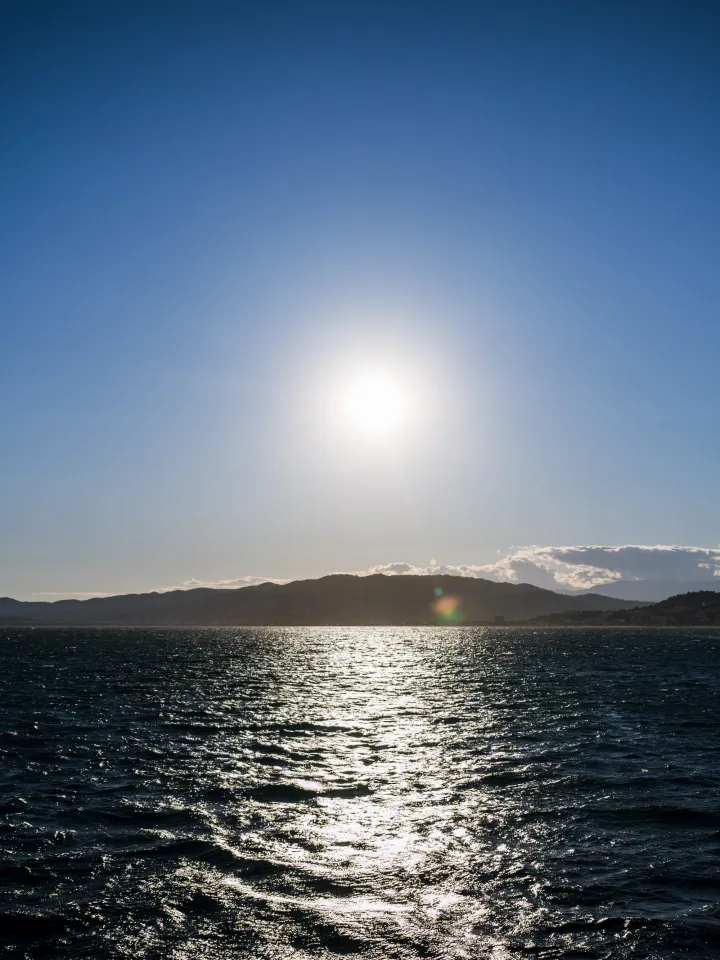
(384,815)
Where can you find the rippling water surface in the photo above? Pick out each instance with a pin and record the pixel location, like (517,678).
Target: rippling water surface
(385,793)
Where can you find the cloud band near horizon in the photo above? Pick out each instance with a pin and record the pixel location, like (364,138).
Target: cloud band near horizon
(584,567)
(568,568)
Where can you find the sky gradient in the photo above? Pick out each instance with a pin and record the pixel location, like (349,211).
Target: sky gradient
(216,214)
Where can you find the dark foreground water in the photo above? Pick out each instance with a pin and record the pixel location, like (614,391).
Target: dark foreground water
(384,793)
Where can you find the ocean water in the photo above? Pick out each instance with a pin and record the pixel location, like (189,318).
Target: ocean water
(378,793)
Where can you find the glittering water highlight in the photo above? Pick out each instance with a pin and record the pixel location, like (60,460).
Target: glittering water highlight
(373,792)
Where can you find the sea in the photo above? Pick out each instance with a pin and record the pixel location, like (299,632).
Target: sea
(359,792)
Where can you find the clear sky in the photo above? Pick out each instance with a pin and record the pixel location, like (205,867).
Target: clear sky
(216,216)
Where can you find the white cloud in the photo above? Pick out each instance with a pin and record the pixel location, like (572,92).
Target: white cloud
(584,567)
(233,584)
(221,584)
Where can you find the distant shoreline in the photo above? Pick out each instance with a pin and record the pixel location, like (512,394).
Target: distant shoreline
(361,626)
(345,600)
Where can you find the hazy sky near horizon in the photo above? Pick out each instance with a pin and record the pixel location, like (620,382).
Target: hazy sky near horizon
(216,215)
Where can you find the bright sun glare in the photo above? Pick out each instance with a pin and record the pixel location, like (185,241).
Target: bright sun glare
(377,404)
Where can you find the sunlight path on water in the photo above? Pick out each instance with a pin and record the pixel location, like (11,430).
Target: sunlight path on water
(382,814)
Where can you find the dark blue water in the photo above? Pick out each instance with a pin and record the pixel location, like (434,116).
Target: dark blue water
(385,793)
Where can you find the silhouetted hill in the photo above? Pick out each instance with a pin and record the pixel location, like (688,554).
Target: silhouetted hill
(338,599)
(700,608)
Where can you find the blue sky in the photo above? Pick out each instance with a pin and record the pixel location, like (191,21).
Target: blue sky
(216,214)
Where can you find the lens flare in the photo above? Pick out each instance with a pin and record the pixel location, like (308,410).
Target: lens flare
(447,608)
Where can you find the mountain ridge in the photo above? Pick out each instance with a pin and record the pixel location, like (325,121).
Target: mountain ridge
(337,599)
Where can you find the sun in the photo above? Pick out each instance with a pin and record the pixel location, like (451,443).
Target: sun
(377,403)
